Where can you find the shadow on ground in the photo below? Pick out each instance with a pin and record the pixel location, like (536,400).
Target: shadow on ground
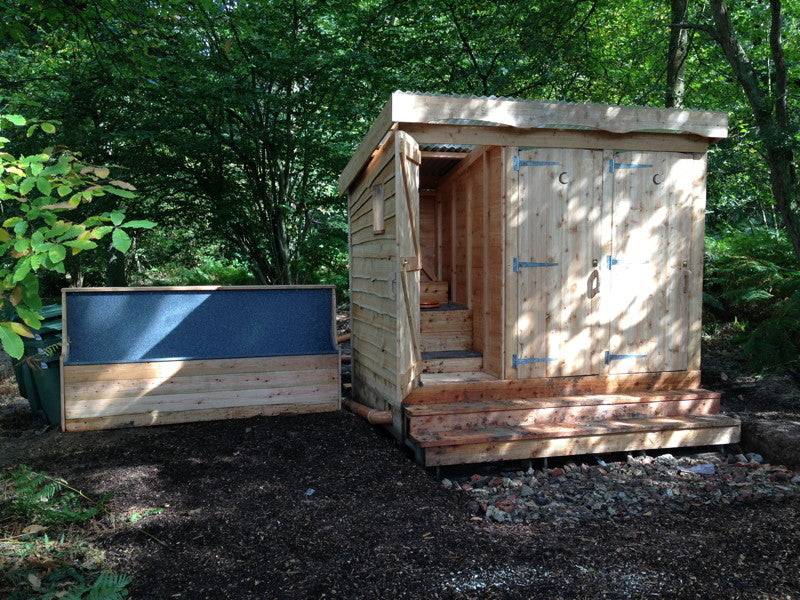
(319,505)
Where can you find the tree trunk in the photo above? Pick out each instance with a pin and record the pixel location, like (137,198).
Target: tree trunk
(771,116)
(676,56)
(116,273)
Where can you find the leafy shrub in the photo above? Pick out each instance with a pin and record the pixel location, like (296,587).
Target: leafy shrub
(38,192)
(208,270)
(753,278)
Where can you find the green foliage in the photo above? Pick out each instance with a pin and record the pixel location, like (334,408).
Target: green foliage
(39,498)
(207,271)
(753,278)
(70,583)
(36,236)
(46,557)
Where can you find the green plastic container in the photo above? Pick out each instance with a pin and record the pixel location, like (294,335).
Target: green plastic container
(46,375)
(48,336)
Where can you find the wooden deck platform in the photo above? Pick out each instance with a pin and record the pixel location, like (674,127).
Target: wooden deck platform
(510,443)
(501,421)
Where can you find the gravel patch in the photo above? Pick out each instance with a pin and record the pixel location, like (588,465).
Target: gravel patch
(639,486)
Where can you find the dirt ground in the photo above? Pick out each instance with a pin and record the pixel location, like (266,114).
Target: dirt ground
(327,506)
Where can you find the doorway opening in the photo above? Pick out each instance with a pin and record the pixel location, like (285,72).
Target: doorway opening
(461,279)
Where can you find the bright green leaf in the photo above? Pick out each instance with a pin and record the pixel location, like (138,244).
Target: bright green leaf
(119,192)
(57,253)
(44,186)
(32,318)
(81,244)
(15,119)
(48,127)
(11,341)
(100,232)
(21,271)
(121,240)
(143,224)
(117,217)
(27,185)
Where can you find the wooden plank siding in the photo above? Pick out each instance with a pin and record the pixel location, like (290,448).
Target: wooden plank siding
(152,393)
(373,281)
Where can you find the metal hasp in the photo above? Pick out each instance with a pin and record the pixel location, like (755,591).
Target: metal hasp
(517,361)
(613,165)
(517,163)
(517,265)
(609,357)
(612,260)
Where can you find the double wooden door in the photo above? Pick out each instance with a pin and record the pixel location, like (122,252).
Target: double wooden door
(605,270)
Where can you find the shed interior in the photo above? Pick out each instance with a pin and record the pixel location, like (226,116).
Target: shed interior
(460,283)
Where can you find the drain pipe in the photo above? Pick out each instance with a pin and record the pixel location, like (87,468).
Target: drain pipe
(376,417)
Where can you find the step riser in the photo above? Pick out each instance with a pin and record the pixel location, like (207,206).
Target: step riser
(439,342)
(453,365)
(552,387)
(563,415)
(436,291)
(525,449)
(445,320)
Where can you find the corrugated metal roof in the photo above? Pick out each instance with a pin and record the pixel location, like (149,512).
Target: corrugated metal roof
(446,147)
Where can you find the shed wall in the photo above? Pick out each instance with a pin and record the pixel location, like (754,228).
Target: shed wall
(373,267)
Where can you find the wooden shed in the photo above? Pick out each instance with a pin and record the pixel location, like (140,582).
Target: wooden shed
(557,252)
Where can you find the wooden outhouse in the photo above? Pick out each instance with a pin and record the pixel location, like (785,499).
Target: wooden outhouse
(526,277)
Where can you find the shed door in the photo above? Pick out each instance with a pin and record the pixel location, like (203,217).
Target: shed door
(649,270)
(560,193)
(407,161)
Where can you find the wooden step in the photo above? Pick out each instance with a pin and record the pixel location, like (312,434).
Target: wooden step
(569,410)
(452,361)
(455,377)
(434,291)
(514,443)
(548,387)
(448,327)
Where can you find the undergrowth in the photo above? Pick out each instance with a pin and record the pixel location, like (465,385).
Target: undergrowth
(45,552)
(752,280)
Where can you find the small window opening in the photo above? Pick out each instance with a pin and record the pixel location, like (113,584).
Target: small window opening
(378,209)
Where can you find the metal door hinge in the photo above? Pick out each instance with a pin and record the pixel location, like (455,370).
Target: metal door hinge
(609,357)
(517,265)
(517,361)
(613,165)
(517,163)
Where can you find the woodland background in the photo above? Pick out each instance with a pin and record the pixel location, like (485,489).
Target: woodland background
(234,118)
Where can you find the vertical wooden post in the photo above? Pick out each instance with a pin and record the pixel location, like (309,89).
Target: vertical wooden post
(510,187)
(485,251)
